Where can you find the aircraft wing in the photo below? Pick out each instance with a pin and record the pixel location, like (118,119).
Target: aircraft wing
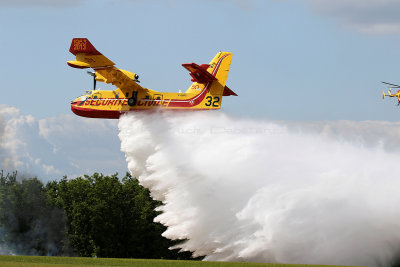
(87,56)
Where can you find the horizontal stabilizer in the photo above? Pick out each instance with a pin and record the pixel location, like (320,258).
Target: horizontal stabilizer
(228,92)
(199,73)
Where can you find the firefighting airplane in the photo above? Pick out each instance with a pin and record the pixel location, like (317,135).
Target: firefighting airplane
(204,94)
(397,94)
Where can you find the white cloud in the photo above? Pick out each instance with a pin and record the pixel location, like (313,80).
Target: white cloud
(57,146)
(10,141)
(366,16)
(49,169)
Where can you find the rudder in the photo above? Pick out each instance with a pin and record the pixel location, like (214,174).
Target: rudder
(216,72)
(219,67)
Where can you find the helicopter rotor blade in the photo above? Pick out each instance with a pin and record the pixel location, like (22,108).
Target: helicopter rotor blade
(392,85)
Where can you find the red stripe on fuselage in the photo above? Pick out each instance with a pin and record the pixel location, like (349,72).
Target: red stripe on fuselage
(116,114)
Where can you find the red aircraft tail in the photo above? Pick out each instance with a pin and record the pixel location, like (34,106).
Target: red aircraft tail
(206,73)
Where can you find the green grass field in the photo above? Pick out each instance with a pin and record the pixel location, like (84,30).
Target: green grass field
(33,261)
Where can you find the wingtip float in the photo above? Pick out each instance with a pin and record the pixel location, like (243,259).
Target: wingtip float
(205,93)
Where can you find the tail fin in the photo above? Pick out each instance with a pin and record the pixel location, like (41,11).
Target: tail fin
(219,66)
(216,72)
(83,45)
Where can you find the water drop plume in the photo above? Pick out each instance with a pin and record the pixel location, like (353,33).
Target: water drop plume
(250,190)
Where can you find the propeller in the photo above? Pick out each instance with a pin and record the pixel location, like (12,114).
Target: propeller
(93,74)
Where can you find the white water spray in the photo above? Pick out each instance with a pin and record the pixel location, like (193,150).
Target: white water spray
(241,190)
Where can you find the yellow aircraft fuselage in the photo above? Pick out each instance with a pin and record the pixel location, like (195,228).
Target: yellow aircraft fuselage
(205,93)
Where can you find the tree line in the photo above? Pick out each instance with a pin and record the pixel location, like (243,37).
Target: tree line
(90,216)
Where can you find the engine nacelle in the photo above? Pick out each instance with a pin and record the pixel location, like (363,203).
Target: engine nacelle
(131,75)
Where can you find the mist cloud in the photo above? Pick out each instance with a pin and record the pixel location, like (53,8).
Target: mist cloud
(265,191)
(369,134)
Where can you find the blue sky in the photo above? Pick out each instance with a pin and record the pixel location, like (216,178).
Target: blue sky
(293,60)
